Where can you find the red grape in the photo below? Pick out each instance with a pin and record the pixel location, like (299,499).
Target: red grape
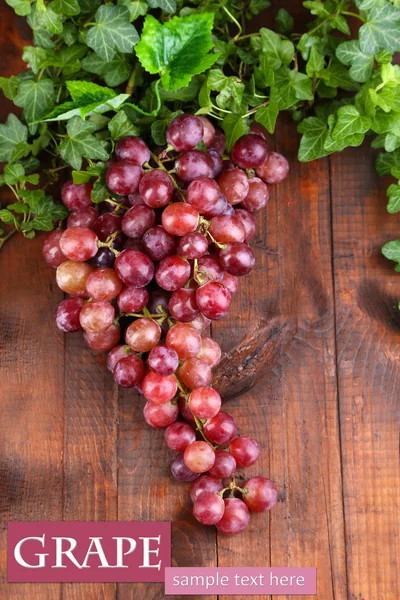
(180,218)
(51,249)
(132,148)
(137,220)
(123,177)
(204,402)
(132,300)
(219,208)
(237,259)
(67,315)
(221,429)
(103,284)
(84,217)
(179,435)
(121,351)
(219,142)
(185,132)
(274,169)
(76,196)
(209,131)
(227,228)
(244,450)
(71,277)
(135,199)
(209,269)
(257,196)
(248,223)
(231,282)
(185,340)
(202,194)
(185,411)
(218,163)
(78,244)
(203,485)
(182,305)
(106,225)
(160,415)
(258,129)
(200,322)
(129,371)
(158,243)
(210,352)
(193,245)
(209,508)
(96,317)
(134,268)
(158,301)
(104,259)
(194,373)
(159,388)
(156,188)
(262,494)
(180,471)
(143,334)
(163,360)
(236,517)
(173,273)
(199,457)
(224,465)
(234,184)
(213,299)
(194,164)
(249,151)
(105,340)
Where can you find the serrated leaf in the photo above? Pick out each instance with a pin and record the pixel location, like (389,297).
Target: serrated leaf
(234,127)
(361,65)
(66,7)
(13,173)
(121,126)
(36,98)
(113,32)
(314,132)
(12,133)
(10,86)
(21,7)
(113,72)
(81,143)
(393,193)
(392,250)
(381,31)
(267,116)
(169,6)
(178,49)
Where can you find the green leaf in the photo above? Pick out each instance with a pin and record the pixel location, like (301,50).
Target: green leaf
(350,121)
(99,192)
(12,133)
(284,22)
(81,143)
(69,34)
(79,177)
(392,142)
(49,20)
(6,216)
(267,116)
(279,51)
(388,163)
(21,7)
(234,127)
(361,65)
(36,57)
(136,8)
(314,132)
(289,88)
(393,193)
(168,6)
(113,72)
(383,98)
(10,86)
(66,7)
(178,49)
(392,250)
(316,62)
(336,75)
(13,173)
(20,151)
(381,31)
(113,32)
(120,126)
(36,98)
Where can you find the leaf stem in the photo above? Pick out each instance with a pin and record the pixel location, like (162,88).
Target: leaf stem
(238,25)
(7,237)
(353,14)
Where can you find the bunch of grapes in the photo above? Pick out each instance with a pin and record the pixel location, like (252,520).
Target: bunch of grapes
(162,257)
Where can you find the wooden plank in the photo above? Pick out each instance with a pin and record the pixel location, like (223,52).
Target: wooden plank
(368,338)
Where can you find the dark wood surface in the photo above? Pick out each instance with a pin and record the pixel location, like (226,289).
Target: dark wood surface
(75,447)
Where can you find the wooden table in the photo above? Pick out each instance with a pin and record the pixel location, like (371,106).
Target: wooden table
(75,447)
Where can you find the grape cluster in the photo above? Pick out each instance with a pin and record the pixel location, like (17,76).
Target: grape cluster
(162,256)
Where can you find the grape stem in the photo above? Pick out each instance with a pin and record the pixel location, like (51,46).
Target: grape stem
(161,165)
(232,487)
(119,205)
(109,241)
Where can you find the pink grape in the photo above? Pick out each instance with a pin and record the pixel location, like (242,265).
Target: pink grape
(96,317)
(226,228)
(123,177)
(204,402)
(160,415)
(194,373)
(118,352)
(221,429)
(129,371)
(132,148)
(172,273)
(185,132)
(224,465)
(78,244)
(231,282)
(103,341)
(193,245)
(158,243)
(194,164)
(262,494)
(76,196)
(159,388)
(199,457)
(204,484)
(132,300)
(163,360)
(185,340)
(84,217)
(209,269)
(106,225)
(134,268)
(202,194)
(143,334)
(257,197)
(274,169)
(237,259)
(200,323)
(51,249)
(244,450)
(182,305)
(67,315)
(210,352)
(213,299)
(250,151)
(180,218)
(209,508)
(236,517)
(156,188)
(234,184)
(137,220)
(180,471)
(208,131)
(72,276)
(103,284)
(179,435)
(248,223)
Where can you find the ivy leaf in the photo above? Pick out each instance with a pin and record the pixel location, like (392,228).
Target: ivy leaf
(336,75)
(234,127)
(392,250)
(21,7)
(316,62)
(230,90)
(159,128)
(178,49)
(267,116)
(350,121)
(280,52)
(388,163)
(361,65)
(48,19)
(81,143)
(383,98)
(12,133)
(392,142)
(36,98)
(120,126)
(69,8)
(382,30)
(284,22)
(289,87)
(168,6)
(393,193)
(36,57)
(314,132)
(113,72)
(113,32)
(99,192)
(13,173)
(136,8)
(10,86)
